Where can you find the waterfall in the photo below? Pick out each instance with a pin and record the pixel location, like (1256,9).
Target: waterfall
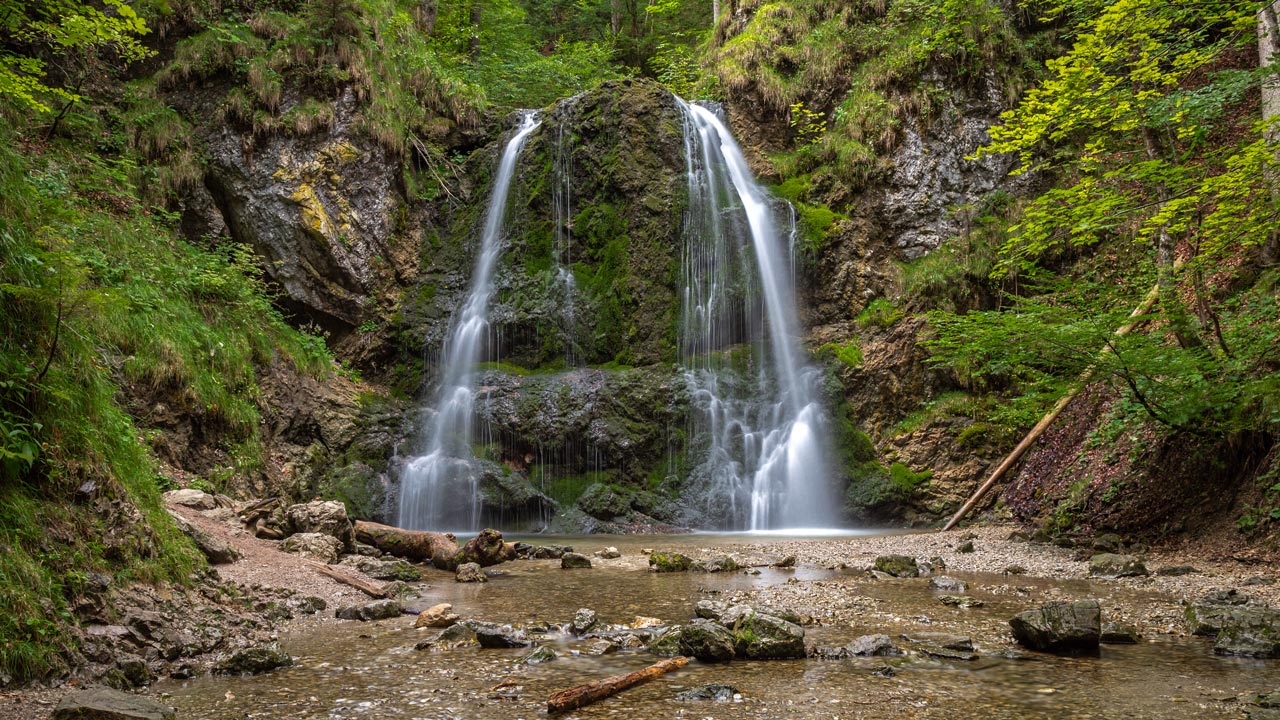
(440,490)
(755,396)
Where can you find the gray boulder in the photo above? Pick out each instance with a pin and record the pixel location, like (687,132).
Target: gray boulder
(314,545)
(376,610)
(107,704)
(873,645)
(1250,631)
(1060,626)
(668,643)
(1207,615)
(759,637)
(948,584)
(710,609)
(191,498)
(215,550)
(583,620)
(897,565)
(1110,565)
(327,517)
(724,563)
(543,654)
(384,568)
(451,638)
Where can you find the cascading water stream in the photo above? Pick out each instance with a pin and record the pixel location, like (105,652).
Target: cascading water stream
(765,466)
(438,490)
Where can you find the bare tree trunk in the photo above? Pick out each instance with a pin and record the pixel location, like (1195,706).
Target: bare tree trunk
(1268,47)
(476,8)
(615,16)
(583,695)
(428,10)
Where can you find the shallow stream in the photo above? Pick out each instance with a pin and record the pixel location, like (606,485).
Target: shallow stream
(358,670)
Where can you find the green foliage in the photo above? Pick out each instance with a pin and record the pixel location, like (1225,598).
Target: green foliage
(68,32)
(100,305)
(849,353)
(879,313)
(957,275)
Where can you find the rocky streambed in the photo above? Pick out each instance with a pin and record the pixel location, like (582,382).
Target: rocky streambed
(879,639)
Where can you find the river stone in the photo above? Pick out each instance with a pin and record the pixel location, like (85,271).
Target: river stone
(307,604)
(948,584)
(786,562)
(759,637)
(191,498)
(573,561)
(1110,565)
(470,573)
(669,562)
(1107,543)
(928,567)
(1208,614)
(643,622)
(583,620)
(960,601)
(1250,631)
(253,661)
(1118,634)
(965,547)
(600,646)
(707,641)
(366,550)
(316,545)
(828,652)
(668,643)
(436,616)
(897,565)
(490,635)
(484,549)
(451,638)
(715,692)
(1060,626)
(327,517)
(609,553)
(107,704)
(724,563)
(376,610)
(543,654)
(873,645)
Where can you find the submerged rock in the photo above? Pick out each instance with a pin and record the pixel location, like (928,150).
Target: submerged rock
(948,584)
(944,645)
(543,654)
(1110,565)
(715,692)
(1117,634)
(960,601)
(1060,626)
(107,704)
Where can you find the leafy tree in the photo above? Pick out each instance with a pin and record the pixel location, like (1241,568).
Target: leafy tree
(68,33)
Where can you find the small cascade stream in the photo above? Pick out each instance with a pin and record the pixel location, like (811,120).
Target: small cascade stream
(765,465)
(439,489)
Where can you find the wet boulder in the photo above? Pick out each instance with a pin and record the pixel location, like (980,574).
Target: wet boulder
(897,565)
(1118,634)
(106,704)
(710,609)
(1111,565)
(707,641)
(324,548)
(873,645)
(1250,631)
(1060,626)
(376,610)
(470,573)
(668,643)
(759,636)
(669,562)
(451,638)
(1208,614)
(609,553)
(485,549)
(491,635)
(943,583)
(583,620)
(253,661)
(543,654)
(327,517)
(574,561)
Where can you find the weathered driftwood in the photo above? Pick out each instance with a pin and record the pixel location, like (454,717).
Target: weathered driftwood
(415,545)
(367,588)
(583,695)
(1136,318)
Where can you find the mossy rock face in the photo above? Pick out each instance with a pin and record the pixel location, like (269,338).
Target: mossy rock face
(669,562)
(707,641)
(897,565)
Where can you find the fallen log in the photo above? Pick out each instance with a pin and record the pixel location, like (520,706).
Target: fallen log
(374,591)
(416,545)
(583,695)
